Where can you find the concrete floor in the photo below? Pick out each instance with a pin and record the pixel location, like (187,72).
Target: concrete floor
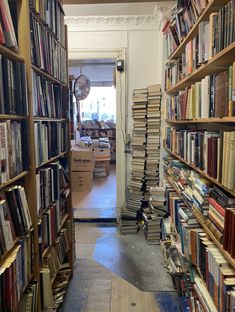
(100,202)
(108,268)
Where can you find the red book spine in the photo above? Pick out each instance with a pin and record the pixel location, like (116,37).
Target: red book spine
(2,39)
(217,206)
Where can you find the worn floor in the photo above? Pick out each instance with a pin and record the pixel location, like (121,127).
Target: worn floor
(104,279)
(100,202)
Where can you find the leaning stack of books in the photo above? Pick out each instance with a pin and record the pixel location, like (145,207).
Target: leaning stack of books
(153,138)
(138,149)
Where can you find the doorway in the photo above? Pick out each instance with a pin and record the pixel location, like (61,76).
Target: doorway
(94,126)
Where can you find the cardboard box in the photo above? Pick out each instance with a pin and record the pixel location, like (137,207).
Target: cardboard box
(81,181)
(102,153)
(102,168)
(82,159)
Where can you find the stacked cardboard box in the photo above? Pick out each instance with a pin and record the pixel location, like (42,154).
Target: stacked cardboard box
(82,166)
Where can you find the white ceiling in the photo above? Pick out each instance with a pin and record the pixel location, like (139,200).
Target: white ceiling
(111,9)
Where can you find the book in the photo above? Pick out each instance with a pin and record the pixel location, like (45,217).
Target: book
(7,26)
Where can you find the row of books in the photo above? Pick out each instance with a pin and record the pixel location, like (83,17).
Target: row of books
(54,266)
(98,125)
(29,299)
(15,219)
(46,52)
(50,140)
(47,98)
(211,97)
(13,91)
(99,133)
(50,181)
(182,20)
(8,33)
(52,14)
(214,204)
(212,152)
(11,280)
(55,257)
(217,274)
(218,30)
(212,37)
(13,149)
(195,244)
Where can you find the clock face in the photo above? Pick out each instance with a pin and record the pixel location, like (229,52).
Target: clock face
(82,87)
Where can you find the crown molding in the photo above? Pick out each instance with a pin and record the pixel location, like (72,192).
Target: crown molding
(122,22)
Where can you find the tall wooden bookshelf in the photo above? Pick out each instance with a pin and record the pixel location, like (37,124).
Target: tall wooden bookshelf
(217,63)
(60,232)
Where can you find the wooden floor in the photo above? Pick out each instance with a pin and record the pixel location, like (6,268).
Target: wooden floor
(100,202)
(96,289)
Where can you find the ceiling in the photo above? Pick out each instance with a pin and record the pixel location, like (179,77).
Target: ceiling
(105,1)
(111,9)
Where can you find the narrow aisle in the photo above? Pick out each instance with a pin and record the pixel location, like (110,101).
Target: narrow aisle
(95,288)
(100,202)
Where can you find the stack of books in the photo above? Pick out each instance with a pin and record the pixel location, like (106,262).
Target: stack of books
(157,200)
(136,184)
(128,223)
(152,226)
(153,138)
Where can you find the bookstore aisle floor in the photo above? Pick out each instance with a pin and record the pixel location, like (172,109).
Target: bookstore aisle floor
(100,202)
(104,280)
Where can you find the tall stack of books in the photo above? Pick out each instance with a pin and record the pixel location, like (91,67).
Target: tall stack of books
(153,138)
(136,183)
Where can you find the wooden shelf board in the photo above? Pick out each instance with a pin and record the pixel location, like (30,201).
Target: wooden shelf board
(21,175)
(200,218)
(217,64)
(203,120)
(52,159)
(9,252)
(213,6)
(12,117)
(10,54)
(201,172)
(64,219)
(48,119)
(47,75)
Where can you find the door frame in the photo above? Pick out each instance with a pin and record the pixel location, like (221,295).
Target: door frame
(121,109)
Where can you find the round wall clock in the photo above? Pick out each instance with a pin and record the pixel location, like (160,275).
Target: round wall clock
(82,87)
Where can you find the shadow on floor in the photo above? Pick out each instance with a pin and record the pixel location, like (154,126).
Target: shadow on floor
(133,259)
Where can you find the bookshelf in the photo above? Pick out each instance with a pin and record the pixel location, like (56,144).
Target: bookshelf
(201,219)
(23,180)
(212,6)
(201,172)
(216,64)
(198,57)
